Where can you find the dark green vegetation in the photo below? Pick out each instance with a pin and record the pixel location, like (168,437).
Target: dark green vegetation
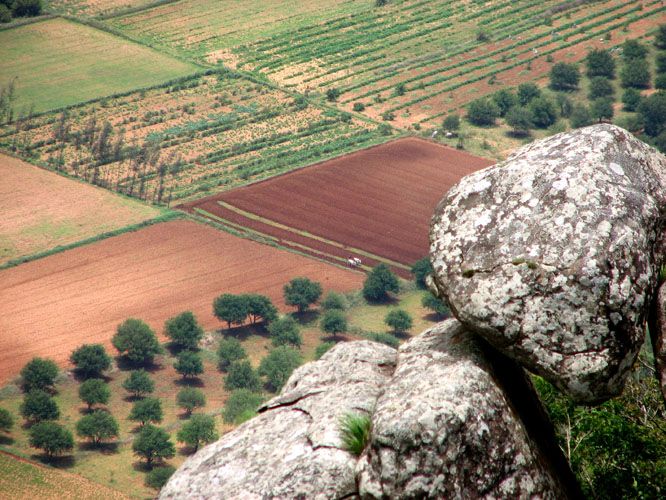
(91,360)
(355,431)
(137,342)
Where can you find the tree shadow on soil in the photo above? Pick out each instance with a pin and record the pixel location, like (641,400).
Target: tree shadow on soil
(189,382)
(6,440)
(59,462)
(103,448)
(141,466)
(186,451)
(341,337)
(242,333)
(306,317)
(125,365)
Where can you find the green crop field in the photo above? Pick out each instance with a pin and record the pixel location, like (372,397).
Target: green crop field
(58,63)
(92,8)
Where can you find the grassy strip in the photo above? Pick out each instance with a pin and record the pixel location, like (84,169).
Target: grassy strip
(22,21)
(133,10)
(252,216)
(166,216)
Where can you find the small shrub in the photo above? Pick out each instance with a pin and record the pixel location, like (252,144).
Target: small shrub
(355,431)
(159,476)
(358,107)
(323,348)
(241,375)
(384,338)
(278,366)
(399,320)
(230,350)
(241,405)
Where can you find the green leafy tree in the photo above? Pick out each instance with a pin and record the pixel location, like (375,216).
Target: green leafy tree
(564,76)
(5,14)
(189,364)
(184,331)
(519,119)
(190,398)
(139,383)
(51,438)
(631,98)
(332,94)
(284,331)
(91,360)
(241,405)
(653,112)
(278,366)
(660,62)
(159,476)
(135,340)
(260,307)
(38,405)
(380,282)
(543,112)
(482,112)
(600,62)
(580,116)
(633,50)
(420,270)
(451,123)
(334,300)
(97,426)
(635,74)
(660,37)
(6,420)
(302,293)
(230,350)
(399,320)
(600,87)
(564,104)
(358,107)
(94,391)
(660,81)
(323,348)
(231,308)
(200,429)
(153,443)
(26,8)
(527,92)
(505,99)
(602,109)
(429,301)
(241,376)
(333,322)
(146,410)
(384,338)
(39,373)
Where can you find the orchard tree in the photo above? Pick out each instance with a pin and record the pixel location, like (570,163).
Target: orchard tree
(200,429)
(190,398)
(633,50)
(421,269)
(230,350)
(505,99)
(600,62)
(135,340)
(153,443)
(451,123)
(660,62)
(380,281)
(284,331)
(635,74)
(334,300)
(429,301)
(278,366)
(600,87)
(241,376)
(91,360)
(94,391)
(26,8)
(527,92)
(38,405)
(184,331)
(146,410)
(241,405)
(189,364)
(519,119)
(333,322)
(580,116)
(482,112)
(399,320)
(653,111)
(543,112)
(51,438)
(323,348)
(139,383)
(260,307)
(602,109)
(230,308)
(39,373)
(97,426)
(660,37)
(302,293)
(6,420)
(564,76)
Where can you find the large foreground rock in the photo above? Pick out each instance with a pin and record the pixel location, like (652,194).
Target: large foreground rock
(292,449)
(444,428)
(552,256)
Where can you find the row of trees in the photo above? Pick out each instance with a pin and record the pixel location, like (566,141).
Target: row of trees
(19,8)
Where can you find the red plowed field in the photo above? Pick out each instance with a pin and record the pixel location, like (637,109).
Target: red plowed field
(379,200)
(52,305)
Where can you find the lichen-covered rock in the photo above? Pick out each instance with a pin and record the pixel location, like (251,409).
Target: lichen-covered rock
(443,428)
(552,255)
(293,449)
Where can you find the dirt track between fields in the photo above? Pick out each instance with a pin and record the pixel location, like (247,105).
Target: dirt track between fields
(52,305)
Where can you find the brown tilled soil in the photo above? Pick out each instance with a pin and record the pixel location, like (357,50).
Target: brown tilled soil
(379,200)
(52,305)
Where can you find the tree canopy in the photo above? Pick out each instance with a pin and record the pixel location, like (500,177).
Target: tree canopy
(482,112)
(139,383)
(302,293)
(519,119)
(189,364)
(284,331)
(543,112)
(91,360)
(153,443)
(241,405)
(200,429)
(97,426)
(600,87)
(379,283)
(39,373)
(279,365)
(190,398)
(51,438)
(333,322)
(260,307)
(6,420)
(241,375)
(635,74)
(653,111)
(230,308)
(38,405)
(146,410)
(334,300)
(600,62)
(94,391)
(230,350)
(184,331)
(136,341)
(505,99)
(429,301)
(527,92)
(421,269)
(399,320)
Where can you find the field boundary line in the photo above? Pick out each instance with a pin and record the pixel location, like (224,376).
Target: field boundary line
(307,234)
(167,216)
(17,23)
(133,10)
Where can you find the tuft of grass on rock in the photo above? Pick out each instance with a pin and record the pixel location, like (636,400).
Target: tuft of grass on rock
(355,432)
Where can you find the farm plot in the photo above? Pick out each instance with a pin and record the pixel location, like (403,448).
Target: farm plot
(204,132)
(58,63)
(41,210)
(91,8)
(53,305)
(375,204)
(411,61)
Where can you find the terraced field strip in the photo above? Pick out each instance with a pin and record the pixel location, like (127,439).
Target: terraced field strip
(200,133)
(57,63)
(376,203)
(53,305)
(92,8)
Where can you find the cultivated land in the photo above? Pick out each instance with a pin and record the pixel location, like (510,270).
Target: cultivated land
(24,480)
(41,210)
(91,8)
(375,204)
(53,305)
(58,63)
(202,133)
(430,47)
